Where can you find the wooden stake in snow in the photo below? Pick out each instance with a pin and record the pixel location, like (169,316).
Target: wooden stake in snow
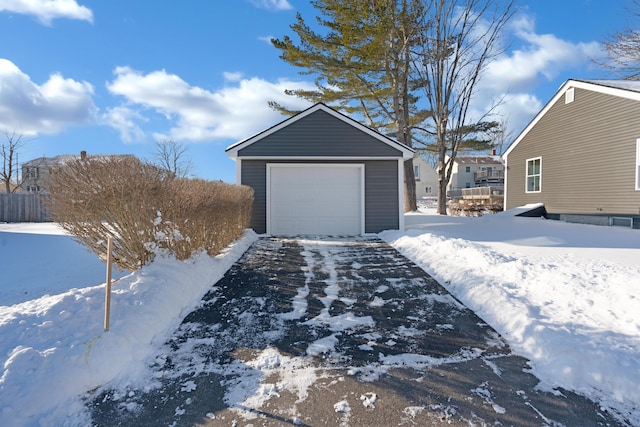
(107,300)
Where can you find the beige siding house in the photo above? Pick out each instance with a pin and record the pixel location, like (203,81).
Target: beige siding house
(426,178)
(580,156)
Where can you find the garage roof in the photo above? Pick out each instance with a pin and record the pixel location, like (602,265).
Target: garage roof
(391,148)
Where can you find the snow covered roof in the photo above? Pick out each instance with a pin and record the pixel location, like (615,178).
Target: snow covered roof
(631,85)
(61,159)
(478,160)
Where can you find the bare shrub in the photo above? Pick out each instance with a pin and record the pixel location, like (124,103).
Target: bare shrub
(200,214)
(144,210)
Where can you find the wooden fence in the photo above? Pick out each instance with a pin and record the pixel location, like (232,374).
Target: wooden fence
(24,207)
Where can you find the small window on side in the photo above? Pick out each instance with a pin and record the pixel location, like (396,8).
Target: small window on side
(534,175)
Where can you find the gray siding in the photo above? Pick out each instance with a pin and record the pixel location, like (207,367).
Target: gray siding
(381,192)
(319,134)
(381,196)
(254,174)
(588,150)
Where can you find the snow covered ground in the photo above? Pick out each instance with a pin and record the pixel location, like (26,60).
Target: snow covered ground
(565,296)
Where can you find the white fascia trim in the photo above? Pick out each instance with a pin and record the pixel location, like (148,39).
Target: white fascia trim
(400,195)
(308,165)
(322,158)
(506,185)
(622,93)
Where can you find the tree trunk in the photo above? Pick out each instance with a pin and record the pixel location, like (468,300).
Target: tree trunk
(442,194)
(410,202)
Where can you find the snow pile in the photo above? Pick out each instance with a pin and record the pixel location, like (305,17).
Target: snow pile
(565,296)
(554,291)
(53,348)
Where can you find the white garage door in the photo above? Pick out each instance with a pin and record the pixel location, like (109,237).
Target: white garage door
(315,200)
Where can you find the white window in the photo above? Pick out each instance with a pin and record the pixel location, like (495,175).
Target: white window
(467,169)
(637,164)
(534,175)
(32,172)
(416,172)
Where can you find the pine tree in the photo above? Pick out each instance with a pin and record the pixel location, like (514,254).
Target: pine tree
(362,64)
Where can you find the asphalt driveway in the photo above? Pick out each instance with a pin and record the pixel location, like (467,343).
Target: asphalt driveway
(336,332)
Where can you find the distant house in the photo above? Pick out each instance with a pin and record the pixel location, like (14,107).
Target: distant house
(36,173)
(426,179)
(580,156)
(322,173)
(470,171)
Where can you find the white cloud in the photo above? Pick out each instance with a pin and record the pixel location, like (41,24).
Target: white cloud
(273,4)
(266,39)
(48,108)
(236,111)
(541,56)
(232,77)
(48,10)
(538,59)
(123,119)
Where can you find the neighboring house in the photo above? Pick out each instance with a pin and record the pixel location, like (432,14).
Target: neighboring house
(476,171)
(426,178)
(36,173)
(322,173)
(580,156)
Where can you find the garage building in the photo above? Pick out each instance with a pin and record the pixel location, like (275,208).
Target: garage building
(322,173)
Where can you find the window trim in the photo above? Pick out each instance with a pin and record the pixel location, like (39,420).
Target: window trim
(638,164)
(526,175)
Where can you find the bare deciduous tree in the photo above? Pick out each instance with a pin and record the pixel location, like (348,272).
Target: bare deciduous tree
(623,49)
(460,38)
(172,156)
(9,151)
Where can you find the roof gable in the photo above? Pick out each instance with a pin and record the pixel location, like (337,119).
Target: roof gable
(620,88)
(323,130)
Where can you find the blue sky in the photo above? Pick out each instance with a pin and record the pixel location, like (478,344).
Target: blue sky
(114,76)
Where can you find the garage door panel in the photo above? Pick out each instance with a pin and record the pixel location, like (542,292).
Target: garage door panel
(315,200)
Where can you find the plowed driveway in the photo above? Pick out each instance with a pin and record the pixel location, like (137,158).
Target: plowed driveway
(337,332)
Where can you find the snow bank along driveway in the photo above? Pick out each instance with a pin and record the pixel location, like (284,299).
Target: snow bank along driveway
(334,332)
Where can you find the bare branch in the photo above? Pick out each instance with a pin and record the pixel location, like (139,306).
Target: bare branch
(172,156)
(623,49)
(9,151)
